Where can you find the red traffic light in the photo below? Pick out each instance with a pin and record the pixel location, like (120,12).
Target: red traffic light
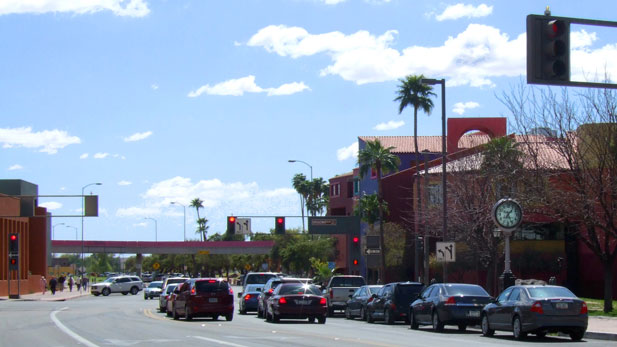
(355,261)
(13,261)
(356,239)
(232,219)
(13,237)
(280,220)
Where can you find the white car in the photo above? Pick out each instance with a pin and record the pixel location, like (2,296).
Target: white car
(153,290)
(120,284)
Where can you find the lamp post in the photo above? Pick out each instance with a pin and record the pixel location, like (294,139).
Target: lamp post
(431,81)
(155,228)
(309,165)
(53,230)
(83,212)
(184,209)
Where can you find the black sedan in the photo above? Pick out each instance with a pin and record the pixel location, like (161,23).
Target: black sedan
(537,310)
(356,305)
(448,304)
(296,301)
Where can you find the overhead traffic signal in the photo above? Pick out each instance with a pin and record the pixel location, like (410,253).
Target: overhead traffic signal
(548,50)
(231,225)
(355,250)
(13,251)
(279,225)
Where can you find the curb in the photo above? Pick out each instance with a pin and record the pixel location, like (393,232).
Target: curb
(600,336)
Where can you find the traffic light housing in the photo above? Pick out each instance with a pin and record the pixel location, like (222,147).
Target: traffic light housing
(355,250)
(13,251)
(231,225)
(548,50)
(279,225)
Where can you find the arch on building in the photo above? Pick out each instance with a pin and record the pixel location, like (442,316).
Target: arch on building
(457,127)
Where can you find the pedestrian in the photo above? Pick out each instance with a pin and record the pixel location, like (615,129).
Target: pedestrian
(71,282)
(52,285)
(61,280)
(43,285)
(78,282)
(84,283)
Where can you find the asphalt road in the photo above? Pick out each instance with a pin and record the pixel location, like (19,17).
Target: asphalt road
(119,320)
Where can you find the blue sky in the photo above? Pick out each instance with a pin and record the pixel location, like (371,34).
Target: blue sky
(171,100)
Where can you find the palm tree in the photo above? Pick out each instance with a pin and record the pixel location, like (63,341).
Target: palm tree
(318,196)
(376,157)
(300,184)
(202,228)
(197,203)
(412,92)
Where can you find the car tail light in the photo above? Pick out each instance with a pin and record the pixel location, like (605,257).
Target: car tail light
(247,297)
(331,294)
(282,301)
(193,292)
(212,281)
(537,307)
(451,301)
(369,300)
(584,308)
(323,301)
(270,290)
(231,291)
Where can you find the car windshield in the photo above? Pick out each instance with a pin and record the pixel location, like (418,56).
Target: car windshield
(170,288)
(299,289)
(155,285)
(465,289)
(550,292)
(347,282)
(258,278)
(210,286)
(109,280)
(373,289)
(254,288)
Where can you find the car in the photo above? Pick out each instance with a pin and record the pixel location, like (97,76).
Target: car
(356,305)
(165,294)
(338,290)
(443,304)
(268,289)
(248,301)
(171,279)
(203,297)
(536,309)
(153,290)
(146,277)
(257,278)
(391,302)
(119,284)
(297,301)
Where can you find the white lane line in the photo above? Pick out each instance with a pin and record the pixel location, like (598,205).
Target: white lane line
(218,341)
(69,331)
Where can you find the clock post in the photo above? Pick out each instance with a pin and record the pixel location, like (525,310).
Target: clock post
(507,215)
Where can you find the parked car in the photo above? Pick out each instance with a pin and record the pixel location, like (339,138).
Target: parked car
(449,304)
(391,302)
(146,277)
(248,301)
(165,294)
(257,278)
(153,290)
(120,284)
(168,280)
(356,305)
(338,290)
(169,305)
(297,301)
(537,310)
(203,297)
(268,289)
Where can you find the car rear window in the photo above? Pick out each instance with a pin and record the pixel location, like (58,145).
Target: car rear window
(299,288)
(408,291)
(258,278)
(455,289)
(210,286)
(550,292)
(347,282)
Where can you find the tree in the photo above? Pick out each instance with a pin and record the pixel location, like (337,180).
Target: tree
(380,159)
(318,196)
(202,228)
(197,203)
(300,184)
(582,168)
(413,93)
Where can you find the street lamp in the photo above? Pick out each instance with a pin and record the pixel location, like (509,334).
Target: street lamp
(53,230)
(307,164)
(431,81)
(183,208)
(155,228)
(83,212)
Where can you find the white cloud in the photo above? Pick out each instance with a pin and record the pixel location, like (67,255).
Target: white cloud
(470,58)
(49,141)
(347,152)
(131,8)
(332,2)
(154,86)
(461,10)
(125,183)
(100,155)
(15,167)
(51,205)
(84,156)
(137,211)
(141,224)
(239,86)
(589,64)
(461,107)
(138,136)
(389,126)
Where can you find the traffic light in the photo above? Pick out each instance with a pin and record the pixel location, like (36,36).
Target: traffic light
(13,251)
(13,262)
(231,225)
(279,225)
(355,251)
(548,50)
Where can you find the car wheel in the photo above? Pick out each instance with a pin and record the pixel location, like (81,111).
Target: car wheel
(168,313)
(388,317)
(322,319)
(187,313)
(347,313)
(362,314)
(330,312)
(413,324)
(486,328)
(311,319)
(462,327)
(268,317)
(125,293)
(541,334)
(134,291)
(437,324)
(175,314)
(577,335)
(229,317)
(106,291)
(96,294)
(517,329)
(162,309)
(215,317)
(369,317)
(275,318)
(145,297)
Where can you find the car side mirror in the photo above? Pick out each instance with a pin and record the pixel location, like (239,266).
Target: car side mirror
(239,294)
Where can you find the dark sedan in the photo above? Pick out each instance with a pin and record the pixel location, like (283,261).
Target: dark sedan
(449,304)
(356,305)
(248,300)
(537,310)
(296,301)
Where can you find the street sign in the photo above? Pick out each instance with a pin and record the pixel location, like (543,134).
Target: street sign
(370,251)
(372,241)
(446,251)
(243,226)
(156,266)
(334,225)
(204,252)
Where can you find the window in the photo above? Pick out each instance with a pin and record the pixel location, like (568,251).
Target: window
(350,189)
(504,296)
(515,296)
(435,194)
(356,186)
(335,189)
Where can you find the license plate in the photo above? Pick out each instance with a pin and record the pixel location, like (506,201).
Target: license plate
(474,314)
(303,302)
(213,300)
(561,305)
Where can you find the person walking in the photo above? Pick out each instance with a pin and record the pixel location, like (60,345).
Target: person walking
(43,285)
(61,280)
(52,285)
(71,282)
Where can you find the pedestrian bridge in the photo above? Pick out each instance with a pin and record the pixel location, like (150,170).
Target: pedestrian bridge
(163,247)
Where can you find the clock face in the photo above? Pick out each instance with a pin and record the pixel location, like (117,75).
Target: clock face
(508,214)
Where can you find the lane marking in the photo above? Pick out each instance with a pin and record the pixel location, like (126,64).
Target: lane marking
(218,341)
(69,331)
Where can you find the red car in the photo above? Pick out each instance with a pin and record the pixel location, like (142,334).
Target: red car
(297,301)
(203,297)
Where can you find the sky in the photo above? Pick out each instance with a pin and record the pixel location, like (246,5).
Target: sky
(165,101)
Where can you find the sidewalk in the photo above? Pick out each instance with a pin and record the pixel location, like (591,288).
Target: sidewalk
(59,296)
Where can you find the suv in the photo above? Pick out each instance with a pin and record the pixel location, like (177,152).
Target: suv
(339,289)
(392,302)
(201,297)
(120,284)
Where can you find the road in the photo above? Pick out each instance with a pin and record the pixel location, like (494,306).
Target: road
(119,320)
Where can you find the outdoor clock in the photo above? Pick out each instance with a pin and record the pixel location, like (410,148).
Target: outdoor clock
(507,214)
